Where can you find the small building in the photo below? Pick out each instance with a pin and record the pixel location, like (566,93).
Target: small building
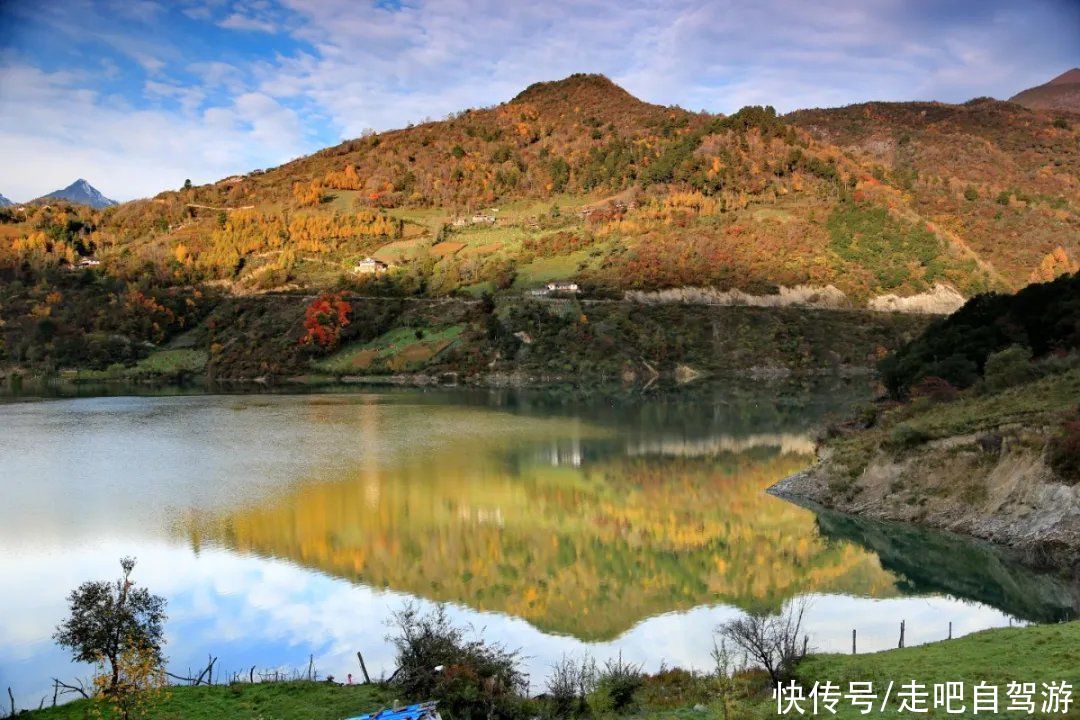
(480,218)
(89,262)
(563,287)
(555,288)
(370,266)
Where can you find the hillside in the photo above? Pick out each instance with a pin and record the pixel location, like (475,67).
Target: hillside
(1061,93)
(999,459)
(999,179)
(570,179)
(577,180)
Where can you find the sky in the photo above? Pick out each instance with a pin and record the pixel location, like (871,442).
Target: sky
(138,95)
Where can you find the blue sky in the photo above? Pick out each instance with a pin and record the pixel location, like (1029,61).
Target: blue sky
(137,95)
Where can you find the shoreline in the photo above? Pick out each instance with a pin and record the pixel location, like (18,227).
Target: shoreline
(1042,546)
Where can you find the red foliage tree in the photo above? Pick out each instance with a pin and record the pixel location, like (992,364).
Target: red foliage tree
(324,319)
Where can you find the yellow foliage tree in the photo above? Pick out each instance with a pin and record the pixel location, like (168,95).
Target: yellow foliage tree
(1054,264)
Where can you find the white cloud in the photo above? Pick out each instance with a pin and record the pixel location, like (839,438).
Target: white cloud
(239,21)
(52,131)
(383,68)
(368,65)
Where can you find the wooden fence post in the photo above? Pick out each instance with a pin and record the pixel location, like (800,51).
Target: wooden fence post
(852,641)
(901,634)
(950,629)
(363,667)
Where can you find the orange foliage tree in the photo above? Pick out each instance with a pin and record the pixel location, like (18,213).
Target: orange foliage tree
(324,319)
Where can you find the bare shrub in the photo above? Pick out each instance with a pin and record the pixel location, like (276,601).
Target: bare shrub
(936,389)
(775,642)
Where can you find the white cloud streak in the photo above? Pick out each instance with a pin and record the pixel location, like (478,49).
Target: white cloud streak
(383,66)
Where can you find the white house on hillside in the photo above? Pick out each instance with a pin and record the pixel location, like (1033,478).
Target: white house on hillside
(370,266)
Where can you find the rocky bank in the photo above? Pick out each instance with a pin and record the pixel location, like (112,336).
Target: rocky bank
(996,486)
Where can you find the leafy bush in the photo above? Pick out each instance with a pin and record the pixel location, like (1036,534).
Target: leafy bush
(1008,367)
(568,686)
(615,687)
(1044,317)
(469,678)
(1063,453)
(674,688)
(905,437)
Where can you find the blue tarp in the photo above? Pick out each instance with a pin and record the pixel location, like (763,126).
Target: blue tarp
(420,711)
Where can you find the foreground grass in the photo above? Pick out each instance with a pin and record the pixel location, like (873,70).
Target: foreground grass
(1038,654)
(299,700)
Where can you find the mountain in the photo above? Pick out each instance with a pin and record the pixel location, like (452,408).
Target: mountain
(578,180)
(4,202)
(1061,93)
(875,205)
(81,193)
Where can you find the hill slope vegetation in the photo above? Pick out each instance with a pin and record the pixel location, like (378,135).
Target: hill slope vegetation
(577,180)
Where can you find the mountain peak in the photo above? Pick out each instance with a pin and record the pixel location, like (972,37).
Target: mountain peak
(1068,77)
(82,193)
(578,84)
(1061,93)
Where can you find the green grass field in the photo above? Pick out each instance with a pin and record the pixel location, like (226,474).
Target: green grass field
(544,270)
(1040,653)
(163,363)
(1035,654)
(398,350)
(300,700)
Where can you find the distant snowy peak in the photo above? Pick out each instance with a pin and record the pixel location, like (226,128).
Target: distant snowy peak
(4,202)
(80,192)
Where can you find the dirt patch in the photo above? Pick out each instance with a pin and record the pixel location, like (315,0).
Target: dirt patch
(416,354)
(363,359)
(446,248)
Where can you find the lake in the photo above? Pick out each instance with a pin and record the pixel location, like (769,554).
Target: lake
(281,527)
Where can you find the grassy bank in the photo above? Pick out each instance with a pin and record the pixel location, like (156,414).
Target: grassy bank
(298,700)
(1042,653)
(1024,411)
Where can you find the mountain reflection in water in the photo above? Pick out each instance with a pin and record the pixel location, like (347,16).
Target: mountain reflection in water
(279,526)
(585,525)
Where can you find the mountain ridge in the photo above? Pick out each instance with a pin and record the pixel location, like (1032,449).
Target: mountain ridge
(573,184)
(577,179)
(1061,93)
(80,192)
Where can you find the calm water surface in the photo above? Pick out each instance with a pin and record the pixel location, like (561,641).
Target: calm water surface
(280,527)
